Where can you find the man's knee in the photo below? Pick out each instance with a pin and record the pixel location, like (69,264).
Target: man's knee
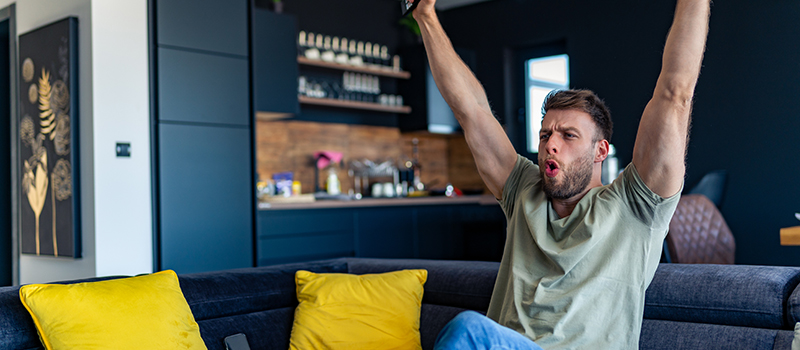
(469,319)
(463,328)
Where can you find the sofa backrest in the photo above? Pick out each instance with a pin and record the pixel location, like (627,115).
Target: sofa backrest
(16,325)
(736,295)
(720,307)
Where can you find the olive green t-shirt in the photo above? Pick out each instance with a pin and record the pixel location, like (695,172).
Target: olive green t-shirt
(579,282)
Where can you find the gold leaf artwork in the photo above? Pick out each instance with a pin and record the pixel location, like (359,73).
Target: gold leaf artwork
(62,179)
(59,96)
(61,141)
(46,112)
(26,130)
(27,70)
(34,181)
(33,93)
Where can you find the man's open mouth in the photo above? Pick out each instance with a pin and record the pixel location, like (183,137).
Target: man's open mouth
(551,168)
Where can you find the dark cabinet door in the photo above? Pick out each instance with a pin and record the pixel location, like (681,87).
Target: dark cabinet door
(275,68)
(386,232)
(196,87)
(206,198)
(208,25)
(301,235)
(439,232)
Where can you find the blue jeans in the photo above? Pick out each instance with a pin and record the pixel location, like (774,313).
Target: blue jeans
(471,330)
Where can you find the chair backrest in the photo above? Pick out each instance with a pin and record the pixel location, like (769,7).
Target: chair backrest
(698,233)
(712,185)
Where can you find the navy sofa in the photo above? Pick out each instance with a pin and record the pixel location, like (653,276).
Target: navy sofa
(687,306)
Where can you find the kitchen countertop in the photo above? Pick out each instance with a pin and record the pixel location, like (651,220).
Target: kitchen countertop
(485,199)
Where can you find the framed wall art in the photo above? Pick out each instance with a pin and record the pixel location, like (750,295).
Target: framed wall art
(48,140)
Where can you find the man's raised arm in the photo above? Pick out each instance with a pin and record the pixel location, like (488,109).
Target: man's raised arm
(661,142)
(493,152)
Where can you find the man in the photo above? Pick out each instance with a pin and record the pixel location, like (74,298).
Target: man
(579,256)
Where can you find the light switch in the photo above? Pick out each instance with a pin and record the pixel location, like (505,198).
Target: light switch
(123,149)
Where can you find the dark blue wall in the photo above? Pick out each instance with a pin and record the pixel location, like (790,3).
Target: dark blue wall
(5,157)
(745,115)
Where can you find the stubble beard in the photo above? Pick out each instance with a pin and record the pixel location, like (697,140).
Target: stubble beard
(575,178)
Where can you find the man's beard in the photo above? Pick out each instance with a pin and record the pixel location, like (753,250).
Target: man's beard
(575,179)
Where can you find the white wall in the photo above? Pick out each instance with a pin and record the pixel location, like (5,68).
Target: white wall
(113,106)
(123,223)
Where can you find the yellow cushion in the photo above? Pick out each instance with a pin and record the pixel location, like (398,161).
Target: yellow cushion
(144,312)
(343,311)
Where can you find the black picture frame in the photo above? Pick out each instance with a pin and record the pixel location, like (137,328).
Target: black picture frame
(47,130)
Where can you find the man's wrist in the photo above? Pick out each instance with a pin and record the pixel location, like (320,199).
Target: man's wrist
(424,16)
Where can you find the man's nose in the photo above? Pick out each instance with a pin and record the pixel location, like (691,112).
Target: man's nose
(552,146)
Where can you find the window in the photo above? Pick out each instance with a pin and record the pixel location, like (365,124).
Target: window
(542,75)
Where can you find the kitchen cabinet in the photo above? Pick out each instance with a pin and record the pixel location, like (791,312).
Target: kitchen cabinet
(202,144)
(301,235)
(275,69)
(202,88)
(446,231)
(218,26)
(386,232)
(205,198)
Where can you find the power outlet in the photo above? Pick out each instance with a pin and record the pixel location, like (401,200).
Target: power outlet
(123,149)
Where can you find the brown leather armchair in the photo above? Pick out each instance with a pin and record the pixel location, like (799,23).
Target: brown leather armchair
(698,233)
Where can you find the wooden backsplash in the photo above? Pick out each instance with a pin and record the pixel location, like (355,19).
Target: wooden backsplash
(290,145)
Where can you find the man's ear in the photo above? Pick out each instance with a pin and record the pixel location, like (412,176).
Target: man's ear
(601,151)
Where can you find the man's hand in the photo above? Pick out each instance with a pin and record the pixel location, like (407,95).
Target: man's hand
(494,155)
(425,8)
(660,146)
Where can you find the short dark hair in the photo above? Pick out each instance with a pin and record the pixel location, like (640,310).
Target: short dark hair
(582,100)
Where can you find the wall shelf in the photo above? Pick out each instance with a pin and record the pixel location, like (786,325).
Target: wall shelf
(354,104)
(369,70)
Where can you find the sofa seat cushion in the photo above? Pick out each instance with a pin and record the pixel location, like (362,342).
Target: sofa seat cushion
(460,284)
(737,295)
(266,330)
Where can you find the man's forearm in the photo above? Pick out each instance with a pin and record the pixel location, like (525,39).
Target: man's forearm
(683,52)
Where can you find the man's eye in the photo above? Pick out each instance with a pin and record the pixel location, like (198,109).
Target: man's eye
(543,136)
(570,135)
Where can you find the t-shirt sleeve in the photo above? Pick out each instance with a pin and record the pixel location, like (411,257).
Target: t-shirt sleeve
(647,206)
(524,175)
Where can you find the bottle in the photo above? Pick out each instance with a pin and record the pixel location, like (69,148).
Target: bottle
(376,56)
(368,53)
(385,57)
(334,187)
(327,50)
(341,56)
(297,188)
(311,52)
